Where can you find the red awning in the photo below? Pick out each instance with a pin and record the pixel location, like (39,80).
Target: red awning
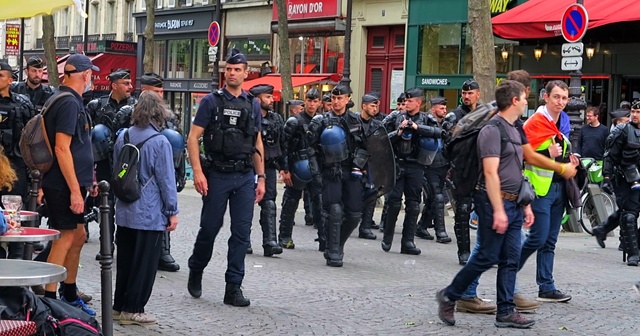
(107,64)
(296,80)
(537,19)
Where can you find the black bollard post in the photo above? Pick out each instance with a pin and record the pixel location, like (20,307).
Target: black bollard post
(32,206)
(106,260)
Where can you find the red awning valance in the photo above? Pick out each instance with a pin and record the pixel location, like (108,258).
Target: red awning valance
(296,80)
(537,19)
(107,63)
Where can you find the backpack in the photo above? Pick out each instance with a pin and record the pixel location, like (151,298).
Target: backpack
(461,149)
(125,182)
(34,142)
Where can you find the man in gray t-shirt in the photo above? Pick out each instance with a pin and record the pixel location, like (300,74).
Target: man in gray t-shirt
(500,217)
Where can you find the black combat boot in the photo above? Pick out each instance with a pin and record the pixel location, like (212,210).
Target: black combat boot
(461,229)
(167,263)
(367,220)
(349,224)
(393,210)
(268,223)
(438,220)
(412,210)
(630,227)
(601,231)
(383,216)
(333,224)
(319,220)
(233,296)
(287,216)
(194,284)
(421,230)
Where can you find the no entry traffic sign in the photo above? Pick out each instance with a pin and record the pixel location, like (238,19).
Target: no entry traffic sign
(214,34)
(574,23)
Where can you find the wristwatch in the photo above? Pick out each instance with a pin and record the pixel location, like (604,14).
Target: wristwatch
(261,176)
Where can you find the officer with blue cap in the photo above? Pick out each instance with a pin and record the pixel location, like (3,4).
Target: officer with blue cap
(229,174)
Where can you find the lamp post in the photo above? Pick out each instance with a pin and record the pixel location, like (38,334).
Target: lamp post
(346,72)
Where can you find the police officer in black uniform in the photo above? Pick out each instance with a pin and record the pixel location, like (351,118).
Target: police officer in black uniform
(153,82)
(38,93)
(326,103)
(369,107)
(15,112)
(338,137)
(621,163)
(229,121)
(296,106)
(114,112)
(272,125)
(301,172)
(435,174)
(406,130)
(463,203)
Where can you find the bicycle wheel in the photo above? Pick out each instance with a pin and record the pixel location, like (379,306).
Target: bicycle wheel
(587,213)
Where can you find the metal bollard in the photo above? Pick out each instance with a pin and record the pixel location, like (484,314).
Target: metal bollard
(106,261)
(33,205)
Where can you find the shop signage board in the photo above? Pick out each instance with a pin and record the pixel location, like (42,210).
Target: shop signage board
(574,23)
(309,9)
(571,63)
(572,49)
(12,39)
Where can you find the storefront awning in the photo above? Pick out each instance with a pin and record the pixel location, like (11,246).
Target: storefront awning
(537,19)
(296,80)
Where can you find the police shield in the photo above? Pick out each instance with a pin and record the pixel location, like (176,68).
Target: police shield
(381,164)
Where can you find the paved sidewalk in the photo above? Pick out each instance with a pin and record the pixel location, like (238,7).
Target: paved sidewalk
(375,293)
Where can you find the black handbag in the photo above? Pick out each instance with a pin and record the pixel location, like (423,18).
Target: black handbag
(527,192)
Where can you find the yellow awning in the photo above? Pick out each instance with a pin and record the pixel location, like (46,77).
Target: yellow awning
(12,9)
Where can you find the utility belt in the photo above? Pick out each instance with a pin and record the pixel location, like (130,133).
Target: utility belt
(409,161)
(505,195)
(229,166)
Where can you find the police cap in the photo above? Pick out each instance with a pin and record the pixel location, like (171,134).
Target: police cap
(119,74)
(295,102)
(470,84)
(620,113)
(260,89)
(312,93)
(340,90)
(35,62)
(236,57)
(326,97)
(625,104)
(152,79)
(369,98)
(414,93)
(438,101)
(401,98)
(5,66)
(635,105)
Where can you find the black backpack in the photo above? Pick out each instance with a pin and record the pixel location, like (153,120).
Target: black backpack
(125,182)
(461,149)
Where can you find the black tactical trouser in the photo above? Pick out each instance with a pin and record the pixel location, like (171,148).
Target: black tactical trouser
(268,212)
(629,222)
(613,221)
(461,225)
(409,183)
(290,201)
(433,211)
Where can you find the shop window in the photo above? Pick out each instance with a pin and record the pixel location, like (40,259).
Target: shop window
(110,22)
(160,58)
(94,18)
(255,48)
(201,58)
(179,58)
(439,48)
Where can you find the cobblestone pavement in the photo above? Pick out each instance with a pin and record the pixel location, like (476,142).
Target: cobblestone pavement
(375,293)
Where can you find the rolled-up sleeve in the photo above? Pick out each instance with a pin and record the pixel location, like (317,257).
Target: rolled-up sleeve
(166,178)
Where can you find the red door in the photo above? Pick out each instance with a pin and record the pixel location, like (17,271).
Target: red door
(385,53)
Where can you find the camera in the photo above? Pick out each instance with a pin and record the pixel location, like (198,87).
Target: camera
(92,215)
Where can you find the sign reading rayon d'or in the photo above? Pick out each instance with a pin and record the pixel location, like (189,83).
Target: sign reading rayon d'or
(309,9)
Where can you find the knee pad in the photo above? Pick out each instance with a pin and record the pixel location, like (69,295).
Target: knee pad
(628,219)
(412,207)
(464,207)
(439,198)
(270,205)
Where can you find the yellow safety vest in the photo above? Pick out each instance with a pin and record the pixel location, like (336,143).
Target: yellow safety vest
(541,178)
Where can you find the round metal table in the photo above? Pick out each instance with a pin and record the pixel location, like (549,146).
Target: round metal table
(25,216)
(29,273)
(29,234)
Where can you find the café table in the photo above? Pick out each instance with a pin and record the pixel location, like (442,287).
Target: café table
(29,234)
(29,273)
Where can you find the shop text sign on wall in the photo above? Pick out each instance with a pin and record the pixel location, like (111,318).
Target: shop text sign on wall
(309,9)
(12,39)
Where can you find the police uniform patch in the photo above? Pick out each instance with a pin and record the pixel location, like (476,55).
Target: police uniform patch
(231,113)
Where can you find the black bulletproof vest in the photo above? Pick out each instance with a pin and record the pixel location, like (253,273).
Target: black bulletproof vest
(271,135)
(231,133)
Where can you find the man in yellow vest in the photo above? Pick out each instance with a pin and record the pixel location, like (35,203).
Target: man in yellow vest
(543,133)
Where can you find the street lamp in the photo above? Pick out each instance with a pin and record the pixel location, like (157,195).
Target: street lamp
(537,53)
(504,53)
(590,51)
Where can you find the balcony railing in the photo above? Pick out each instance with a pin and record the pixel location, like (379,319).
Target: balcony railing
(93,38)
(62,42)
(76,39)
(110,37)
(128,37)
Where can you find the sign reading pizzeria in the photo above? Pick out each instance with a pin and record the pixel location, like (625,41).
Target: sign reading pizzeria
(309,9)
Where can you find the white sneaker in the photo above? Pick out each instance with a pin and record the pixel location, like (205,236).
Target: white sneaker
(142,319)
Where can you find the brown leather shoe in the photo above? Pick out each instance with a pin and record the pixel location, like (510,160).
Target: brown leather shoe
(476,306)
(514,320)
(524,304)
(446,308)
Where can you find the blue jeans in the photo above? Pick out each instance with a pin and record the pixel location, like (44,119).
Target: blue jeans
(543,235)
(493,248)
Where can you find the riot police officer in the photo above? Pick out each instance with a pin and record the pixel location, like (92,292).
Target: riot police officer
(408,131)
(435,174)
(229,120)
(295,106)
(621,165)
(272,125)
(114,112)
(370,108)
(338,137)
(463,203)
(38,93)
(153,82)
(326,103)
(301,172)
(15,112)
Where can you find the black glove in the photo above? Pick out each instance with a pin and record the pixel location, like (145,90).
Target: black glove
(606,186)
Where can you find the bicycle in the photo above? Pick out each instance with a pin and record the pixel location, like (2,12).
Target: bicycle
(597,205)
